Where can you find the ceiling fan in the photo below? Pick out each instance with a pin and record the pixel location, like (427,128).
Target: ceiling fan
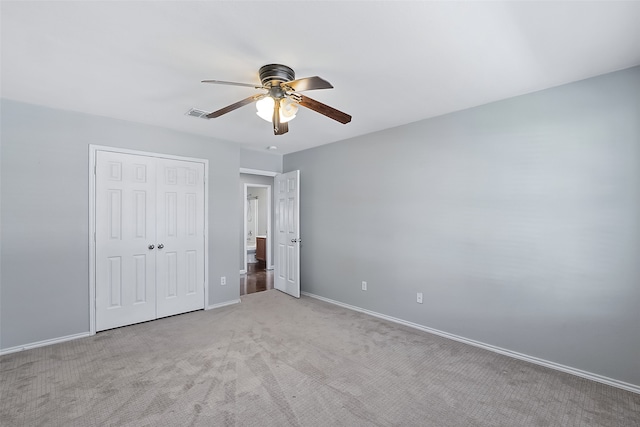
(280,103)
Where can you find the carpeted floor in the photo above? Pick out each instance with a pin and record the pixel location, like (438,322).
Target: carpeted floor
(276,361)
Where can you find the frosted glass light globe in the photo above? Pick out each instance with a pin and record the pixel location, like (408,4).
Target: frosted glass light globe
(288,109)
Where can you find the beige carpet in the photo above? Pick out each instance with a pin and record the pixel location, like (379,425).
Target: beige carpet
(276,361)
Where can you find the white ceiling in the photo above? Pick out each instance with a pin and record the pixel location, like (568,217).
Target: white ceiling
(391,63)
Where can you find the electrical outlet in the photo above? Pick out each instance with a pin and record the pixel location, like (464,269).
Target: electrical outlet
(364,285)
(223,280)
(419,298)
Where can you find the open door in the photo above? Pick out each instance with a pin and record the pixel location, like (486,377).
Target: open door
(287,265)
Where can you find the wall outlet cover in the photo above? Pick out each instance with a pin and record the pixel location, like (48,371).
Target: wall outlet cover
(364,285)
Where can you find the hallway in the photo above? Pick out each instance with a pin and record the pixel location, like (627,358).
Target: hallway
(257,279)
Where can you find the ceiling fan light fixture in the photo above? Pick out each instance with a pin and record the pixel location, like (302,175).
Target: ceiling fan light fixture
(288,109)
(265,108)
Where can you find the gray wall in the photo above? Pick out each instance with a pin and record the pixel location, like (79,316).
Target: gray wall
(261,160)
(45,200)
(518,220)
(253,179)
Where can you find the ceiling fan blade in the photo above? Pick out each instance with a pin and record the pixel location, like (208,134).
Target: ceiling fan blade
(220,82)
(321,108)
(235,106)
(308,83)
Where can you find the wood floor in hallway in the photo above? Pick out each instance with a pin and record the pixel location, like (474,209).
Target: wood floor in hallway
(257,279)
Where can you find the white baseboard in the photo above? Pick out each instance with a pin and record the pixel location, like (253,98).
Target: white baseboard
(552,365)
(222,304)
(82,335)
(44,343)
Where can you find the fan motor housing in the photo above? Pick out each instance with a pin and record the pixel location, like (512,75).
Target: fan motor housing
(276,72)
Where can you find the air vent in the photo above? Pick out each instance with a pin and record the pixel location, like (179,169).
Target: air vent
(194,112)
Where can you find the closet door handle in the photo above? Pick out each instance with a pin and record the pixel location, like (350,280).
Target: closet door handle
(160,246)
(151,247)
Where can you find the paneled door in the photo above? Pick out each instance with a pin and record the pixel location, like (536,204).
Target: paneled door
(149,240)
(287,265)
(125,237)
(180,237)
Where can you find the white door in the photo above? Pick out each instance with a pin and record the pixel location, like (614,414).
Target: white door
(125,231)
(150,257)
(180,237)
(287,265)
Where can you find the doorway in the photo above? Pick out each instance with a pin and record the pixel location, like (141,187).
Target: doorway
(258,276)
(256,245)
(257,224)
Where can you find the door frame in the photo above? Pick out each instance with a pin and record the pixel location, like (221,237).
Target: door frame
(93,149)
(270,208)
(258,172)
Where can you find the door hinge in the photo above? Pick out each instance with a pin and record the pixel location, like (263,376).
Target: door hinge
(94,236)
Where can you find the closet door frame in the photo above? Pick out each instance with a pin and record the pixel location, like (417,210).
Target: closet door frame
(93,149)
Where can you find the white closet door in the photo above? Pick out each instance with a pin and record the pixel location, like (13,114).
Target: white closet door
(180,237)
(125,229)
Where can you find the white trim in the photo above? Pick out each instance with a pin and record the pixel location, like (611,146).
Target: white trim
(243,271)
(552,365)
(44,343)
(222,304)
(258,172)
(245,208)
(206,231)
(92,238)
(93,149)
(59,340)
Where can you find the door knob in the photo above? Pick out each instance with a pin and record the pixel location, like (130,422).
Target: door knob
(151,246)
(160,246)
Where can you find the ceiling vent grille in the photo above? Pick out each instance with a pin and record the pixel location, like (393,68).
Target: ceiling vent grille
(194,112)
